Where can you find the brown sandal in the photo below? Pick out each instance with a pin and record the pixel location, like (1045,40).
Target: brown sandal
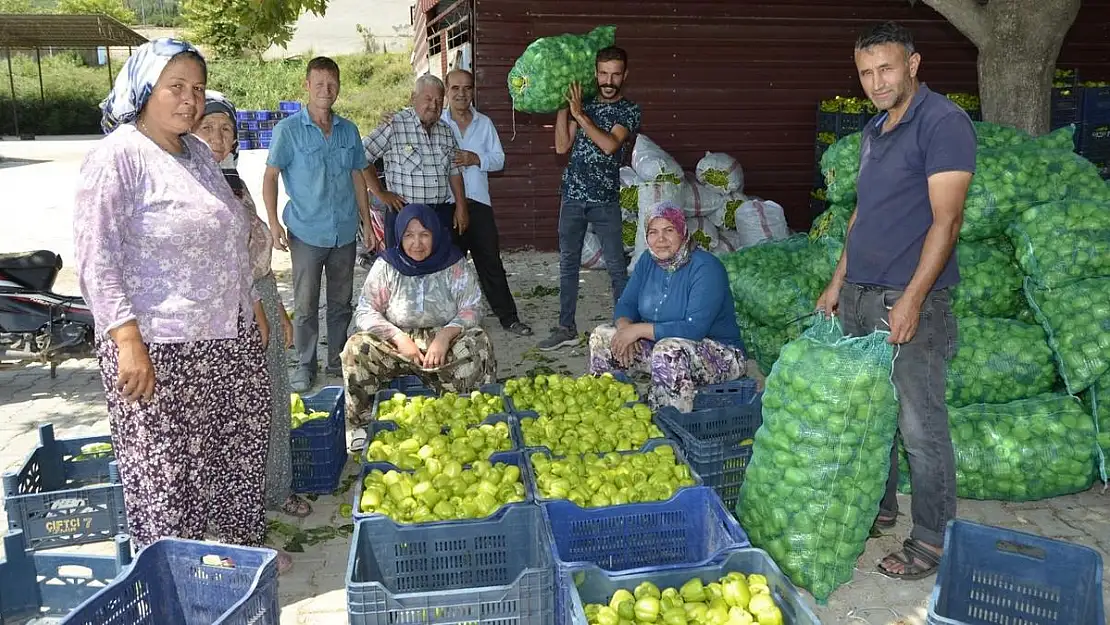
(295,506)
(917,562)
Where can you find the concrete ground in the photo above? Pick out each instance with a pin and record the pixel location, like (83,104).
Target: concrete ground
(38,180)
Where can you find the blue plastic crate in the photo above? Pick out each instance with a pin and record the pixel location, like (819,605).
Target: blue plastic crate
(319,446)
(406,382)
(52,583)
(59,498)
(492,572)
(590,584)
(530,449)
(265,135)
(287,106)
(168,584)
(243,116)
(508,457)
(620,376)
(713,440)
(740,392)
(690,529)
(262,115)
(647,447)
(991,575)
(263,144)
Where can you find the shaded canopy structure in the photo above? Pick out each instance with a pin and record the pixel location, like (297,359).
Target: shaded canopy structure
(38,31)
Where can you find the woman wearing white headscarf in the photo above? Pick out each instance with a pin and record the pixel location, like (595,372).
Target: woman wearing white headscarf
(162,260)
(217,128)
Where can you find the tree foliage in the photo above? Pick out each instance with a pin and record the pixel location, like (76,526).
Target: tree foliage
(112,8)
(15,6)
(233,27)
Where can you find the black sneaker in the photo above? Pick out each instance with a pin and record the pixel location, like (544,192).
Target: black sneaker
(560,337)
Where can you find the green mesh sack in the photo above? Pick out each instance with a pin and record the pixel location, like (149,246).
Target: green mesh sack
(1059,139)
(992,136)
(1098,398)
(832,223)
(821,457)
(1076,318)
(999,361)
(990,280)
(539,79)
(1009,180)
(731,205)
(1058,243)
(776,282)
(764,343)
(840,166)
(1025,450)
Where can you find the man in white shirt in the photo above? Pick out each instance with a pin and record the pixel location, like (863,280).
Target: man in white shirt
(479,153)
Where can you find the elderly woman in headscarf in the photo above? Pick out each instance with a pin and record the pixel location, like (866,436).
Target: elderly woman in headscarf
(675,318)
(417,315)
(161,252)
(217,129)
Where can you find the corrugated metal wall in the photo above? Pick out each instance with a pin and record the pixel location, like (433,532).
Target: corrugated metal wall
(724,75)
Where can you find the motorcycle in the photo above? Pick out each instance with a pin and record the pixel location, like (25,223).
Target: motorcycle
(36,323)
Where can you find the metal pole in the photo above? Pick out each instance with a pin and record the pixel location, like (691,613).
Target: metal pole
(11,83)
(108,55)
(38,62)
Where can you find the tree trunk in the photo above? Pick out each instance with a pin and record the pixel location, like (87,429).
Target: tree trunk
(1015,85)
(1018,43)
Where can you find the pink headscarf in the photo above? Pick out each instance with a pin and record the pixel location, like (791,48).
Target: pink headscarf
(673,214)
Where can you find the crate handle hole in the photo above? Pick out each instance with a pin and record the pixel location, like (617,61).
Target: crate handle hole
(1029,551)
(75,571)
(217,561)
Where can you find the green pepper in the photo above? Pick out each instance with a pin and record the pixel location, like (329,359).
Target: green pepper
(607,616)
(591,612)
(694,591)
(717,615)
(739,616)
(647,609)
(736,593)
(669,593)
(646,589)
(626,609)
(674,616)
(620,597)
(670,603)
(714,591)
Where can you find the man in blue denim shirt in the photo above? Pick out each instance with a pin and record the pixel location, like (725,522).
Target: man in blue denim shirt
(319,156)
(917,158)
(596,139)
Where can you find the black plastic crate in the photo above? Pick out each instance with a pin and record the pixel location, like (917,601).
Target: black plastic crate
(1094,140)
(841,124)
(1067,106)
(62,497)
(1096,105)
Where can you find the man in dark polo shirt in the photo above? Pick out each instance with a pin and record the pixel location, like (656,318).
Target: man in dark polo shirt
(917,159)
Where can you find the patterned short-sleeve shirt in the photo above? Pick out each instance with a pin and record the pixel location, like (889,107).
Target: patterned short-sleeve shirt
(592,175)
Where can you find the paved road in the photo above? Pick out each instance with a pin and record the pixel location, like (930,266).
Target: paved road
(37,204)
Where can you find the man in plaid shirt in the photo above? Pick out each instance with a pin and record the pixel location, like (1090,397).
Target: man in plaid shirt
(419,150)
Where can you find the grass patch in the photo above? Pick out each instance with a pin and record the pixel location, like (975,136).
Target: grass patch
(372,84)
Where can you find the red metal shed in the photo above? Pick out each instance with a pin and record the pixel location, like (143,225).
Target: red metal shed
(742,77)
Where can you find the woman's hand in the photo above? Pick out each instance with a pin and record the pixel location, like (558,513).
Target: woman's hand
(437,351)
(135,378)
(624,342)
(755,373)
(263,324)
(287,329)
(407,348)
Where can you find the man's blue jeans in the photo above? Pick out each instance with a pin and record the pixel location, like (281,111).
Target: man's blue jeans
(574,217)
